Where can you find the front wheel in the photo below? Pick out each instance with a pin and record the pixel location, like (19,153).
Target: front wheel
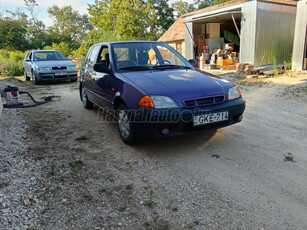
(125,127)
(27,78)
(34,79)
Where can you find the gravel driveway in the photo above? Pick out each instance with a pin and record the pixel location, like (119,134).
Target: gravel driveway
(63,167)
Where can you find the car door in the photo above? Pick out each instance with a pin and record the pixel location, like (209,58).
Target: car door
(102,80)
(27,63)
(88,74)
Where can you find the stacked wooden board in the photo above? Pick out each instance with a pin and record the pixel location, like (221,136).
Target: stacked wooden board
(244,68)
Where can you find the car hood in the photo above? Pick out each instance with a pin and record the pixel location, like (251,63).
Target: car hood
(178,84)
(54,63)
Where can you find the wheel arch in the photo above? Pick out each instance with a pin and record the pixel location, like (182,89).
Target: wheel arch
(117,102)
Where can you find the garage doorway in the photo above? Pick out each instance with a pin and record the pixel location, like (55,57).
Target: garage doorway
(217,32)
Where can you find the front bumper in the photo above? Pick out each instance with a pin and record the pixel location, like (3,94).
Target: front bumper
(56,76)
(151,122)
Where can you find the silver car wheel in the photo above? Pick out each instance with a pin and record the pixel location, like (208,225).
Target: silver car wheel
(123,123)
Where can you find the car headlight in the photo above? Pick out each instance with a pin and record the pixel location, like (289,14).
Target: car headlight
(158,102)
(234,93)
(71,68)
(43,69)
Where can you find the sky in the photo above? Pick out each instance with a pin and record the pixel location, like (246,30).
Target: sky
(79,5)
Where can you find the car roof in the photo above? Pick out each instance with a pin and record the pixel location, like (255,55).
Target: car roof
(121,42)
(44,50)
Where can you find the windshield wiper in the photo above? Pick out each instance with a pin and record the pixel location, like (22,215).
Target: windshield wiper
(136,68)
(171,67)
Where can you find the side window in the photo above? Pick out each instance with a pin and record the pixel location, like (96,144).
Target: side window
(103,56)
(87,57)
(27,57)
(121,58)
(93,57)
(30,56)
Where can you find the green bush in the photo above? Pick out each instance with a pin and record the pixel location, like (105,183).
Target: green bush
(79,53)
(11,63)
(62,47)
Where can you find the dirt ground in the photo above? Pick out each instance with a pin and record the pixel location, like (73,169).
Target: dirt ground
(240,177)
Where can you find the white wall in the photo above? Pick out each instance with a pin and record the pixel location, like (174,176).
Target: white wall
(248,32)
(299,35)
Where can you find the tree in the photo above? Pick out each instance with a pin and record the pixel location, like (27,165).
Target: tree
(13,32)
(68,26)
(180,7)
(130,19)
(36,33)
(206,3)
(164,15)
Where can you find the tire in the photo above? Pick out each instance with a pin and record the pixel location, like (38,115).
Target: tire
(86,103)
(27,78)
(125,126)
(34,79)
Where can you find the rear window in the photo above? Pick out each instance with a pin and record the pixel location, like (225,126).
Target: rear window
(48,55)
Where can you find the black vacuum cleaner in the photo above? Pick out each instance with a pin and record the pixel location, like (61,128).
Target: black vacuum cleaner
(12,98)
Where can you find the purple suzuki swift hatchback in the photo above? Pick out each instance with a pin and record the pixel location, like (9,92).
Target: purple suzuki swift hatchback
(153,91)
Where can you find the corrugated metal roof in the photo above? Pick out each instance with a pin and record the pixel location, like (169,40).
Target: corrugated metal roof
(292,2)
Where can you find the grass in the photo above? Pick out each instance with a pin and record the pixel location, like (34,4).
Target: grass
(76,169)
(20,78)
(296,91)
(257,83)
(52,170)
(122,208)
(103,189)
(150,201)
(75,165)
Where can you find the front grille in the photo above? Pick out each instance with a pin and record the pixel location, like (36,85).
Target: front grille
(60,76)
(204,101)
(59,68)
(190,103)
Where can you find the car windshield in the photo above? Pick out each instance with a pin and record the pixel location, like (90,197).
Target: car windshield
(48,55)
(140,56)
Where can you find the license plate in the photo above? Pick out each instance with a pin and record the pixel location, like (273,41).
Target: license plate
(210,118)
(60,74)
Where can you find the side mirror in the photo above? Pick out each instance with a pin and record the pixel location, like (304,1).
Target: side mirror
(101,67)
(69,58)
(193,62)
(28,60)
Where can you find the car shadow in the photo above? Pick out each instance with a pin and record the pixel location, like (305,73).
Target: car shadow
(175,145)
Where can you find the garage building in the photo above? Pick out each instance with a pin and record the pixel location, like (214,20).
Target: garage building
(259,32)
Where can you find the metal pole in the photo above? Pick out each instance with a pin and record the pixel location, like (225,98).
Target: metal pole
(234,22)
